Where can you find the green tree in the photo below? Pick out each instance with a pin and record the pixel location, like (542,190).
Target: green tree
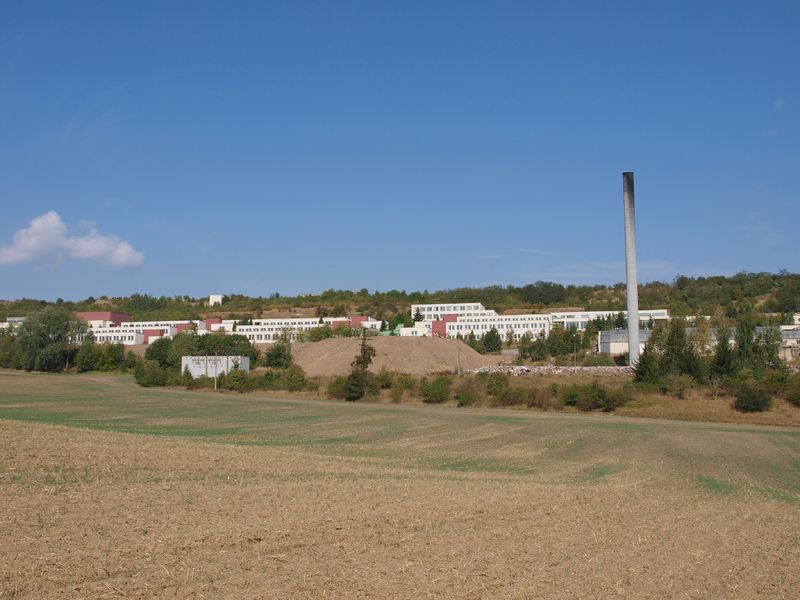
(724,361)
(648,369)
(186,343)
(10,357)
(357,382)
(745,340)
(88,355)
(322,332)
(766,351)
(492,341)
(525,345)
(112,357)
(278,355)
(48,339)
(589,335)
(159,351)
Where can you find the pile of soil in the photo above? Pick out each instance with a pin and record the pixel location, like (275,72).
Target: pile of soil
(413,356)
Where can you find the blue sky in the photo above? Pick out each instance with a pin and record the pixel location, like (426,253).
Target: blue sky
(260,147)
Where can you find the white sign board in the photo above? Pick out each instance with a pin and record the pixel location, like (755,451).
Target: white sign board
(213,366)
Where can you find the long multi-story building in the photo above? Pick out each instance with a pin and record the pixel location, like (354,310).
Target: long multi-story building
(515,325)
(580,319)
(264,331)
(436,312)
(119,328)
(454,319)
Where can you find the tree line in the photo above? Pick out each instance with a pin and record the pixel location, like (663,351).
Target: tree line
(684,296)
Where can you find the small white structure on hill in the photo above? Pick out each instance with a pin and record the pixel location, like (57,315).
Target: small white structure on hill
(213,366)
(214,299)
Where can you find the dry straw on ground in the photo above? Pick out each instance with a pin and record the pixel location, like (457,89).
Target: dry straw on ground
(245,497)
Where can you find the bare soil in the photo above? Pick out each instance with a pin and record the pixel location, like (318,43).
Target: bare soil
(413,356)
(230,496)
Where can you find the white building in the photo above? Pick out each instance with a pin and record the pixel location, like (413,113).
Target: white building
(420,329)
(479,314)
(268,330)
(118,335)
(434,312)
(213,366)
(452,319)
(615,341)
(214,299)
(518,325)
(580,319)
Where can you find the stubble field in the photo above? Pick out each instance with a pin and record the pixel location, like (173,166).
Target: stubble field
(109,490)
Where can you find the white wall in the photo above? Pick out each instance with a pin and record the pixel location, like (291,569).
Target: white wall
(212,366)
(432,312)
(535,324)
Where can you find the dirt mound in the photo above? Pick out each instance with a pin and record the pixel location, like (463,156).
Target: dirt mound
(414,356)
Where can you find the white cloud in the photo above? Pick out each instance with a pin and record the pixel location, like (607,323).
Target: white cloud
(45,242)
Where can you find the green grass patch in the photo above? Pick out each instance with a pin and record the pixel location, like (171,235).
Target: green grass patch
(715,485)
(597,473)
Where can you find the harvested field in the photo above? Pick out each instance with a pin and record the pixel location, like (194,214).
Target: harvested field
(110,490)
(413,356)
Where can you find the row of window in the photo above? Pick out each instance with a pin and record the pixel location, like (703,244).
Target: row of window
(485,326)
(442,307)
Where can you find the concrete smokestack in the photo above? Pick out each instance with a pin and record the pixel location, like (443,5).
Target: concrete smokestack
(630,268)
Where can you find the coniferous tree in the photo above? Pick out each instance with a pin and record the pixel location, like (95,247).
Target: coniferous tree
(724,361)
(648,369)
(492,341)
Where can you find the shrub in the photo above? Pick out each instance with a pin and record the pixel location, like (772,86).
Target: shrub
(406,383)
(200,382)
(676,385)
(497,383)
(385,379)
(775,381)
(470,391)
(511,396)
(278,356)
(337,387)
(175,379)
(594,396)
(792,393)
(750,398)
(539,398)
(616,398)
(270,380)
(149,373)
(294,378)
(355,386)
(372,387)
(396,394)
(240,381)
(597,360)
(435,391)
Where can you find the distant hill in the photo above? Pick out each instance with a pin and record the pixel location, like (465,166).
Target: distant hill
(762,292)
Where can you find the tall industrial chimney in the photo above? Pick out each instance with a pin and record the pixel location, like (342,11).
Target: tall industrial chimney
(630,268)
